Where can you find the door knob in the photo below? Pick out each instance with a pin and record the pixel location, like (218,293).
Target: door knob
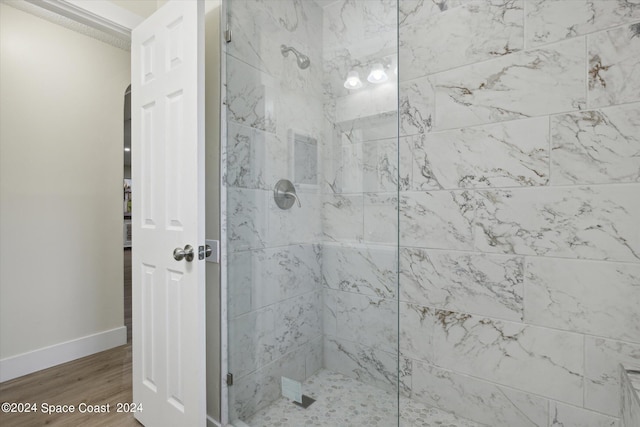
(187,253)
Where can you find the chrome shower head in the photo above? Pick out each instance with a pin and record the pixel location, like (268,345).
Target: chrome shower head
(303,60)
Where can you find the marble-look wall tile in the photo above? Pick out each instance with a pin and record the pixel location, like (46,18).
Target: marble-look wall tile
(261,27)
(471,33)
(252,96)
(602,378)
(419,166)
(254,330)
(596,147)
(508,154)
(596,222)
(489,285)
(368,102)
(342,166)
(370,366)
(549,21)
(414,11)
(614,60)
(246,218)
(380,167)
(255,159)
(591,297)
(416,332)
(329,312)
(262,387)
(367,320)
(342,217)
(375,128)
(630,402)
(356,35)
(299,224)
(381,218)
(348,23)
(299,113)
(417,106)
(298,321)
(366,270)
(525,84)
(437,219)
(471,398)
(275,274)
(561,415)
(498,351)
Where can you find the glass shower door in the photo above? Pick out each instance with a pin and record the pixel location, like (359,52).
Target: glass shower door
(312,183)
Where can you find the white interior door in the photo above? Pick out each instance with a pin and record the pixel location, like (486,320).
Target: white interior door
(167,55)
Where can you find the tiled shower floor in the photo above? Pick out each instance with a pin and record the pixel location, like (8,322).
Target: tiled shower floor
(342,401)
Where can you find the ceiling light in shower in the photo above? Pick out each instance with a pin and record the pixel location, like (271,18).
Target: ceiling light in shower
(377,74)
(353,80)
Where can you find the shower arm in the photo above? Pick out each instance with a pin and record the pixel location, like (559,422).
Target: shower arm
(302,59)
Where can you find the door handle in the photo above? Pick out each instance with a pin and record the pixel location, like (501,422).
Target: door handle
(187,253)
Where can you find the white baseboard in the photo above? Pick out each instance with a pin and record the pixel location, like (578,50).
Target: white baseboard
(43,358)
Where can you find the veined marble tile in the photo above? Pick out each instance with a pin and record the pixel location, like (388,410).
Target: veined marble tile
(366,270)
(602,378)
(524,84)
(261,27)
(614,60)
(343,171)
(342,217)
(329,312)
(255,159)
(416,332)
(368,103)
(550,20)
(597,222)
(262,387)
(381,218)
(591,297)
(247,219)
(561,415)
(593,147)
(298,321)
(299,224)
(508,154)
(347,23)
(481,401)
(489,285)
(300,113)
(367,365)
(252,96)
(415,11)
(417,106)
(265,276)
(254,330)
(420,168)
(542,361)
(314,356)
(471,33)
(437,219)
(381,126)
(380,167)
(367,320)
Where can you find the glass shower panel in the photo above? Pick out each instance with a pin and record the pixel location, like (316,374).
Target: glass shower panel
(311,98)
